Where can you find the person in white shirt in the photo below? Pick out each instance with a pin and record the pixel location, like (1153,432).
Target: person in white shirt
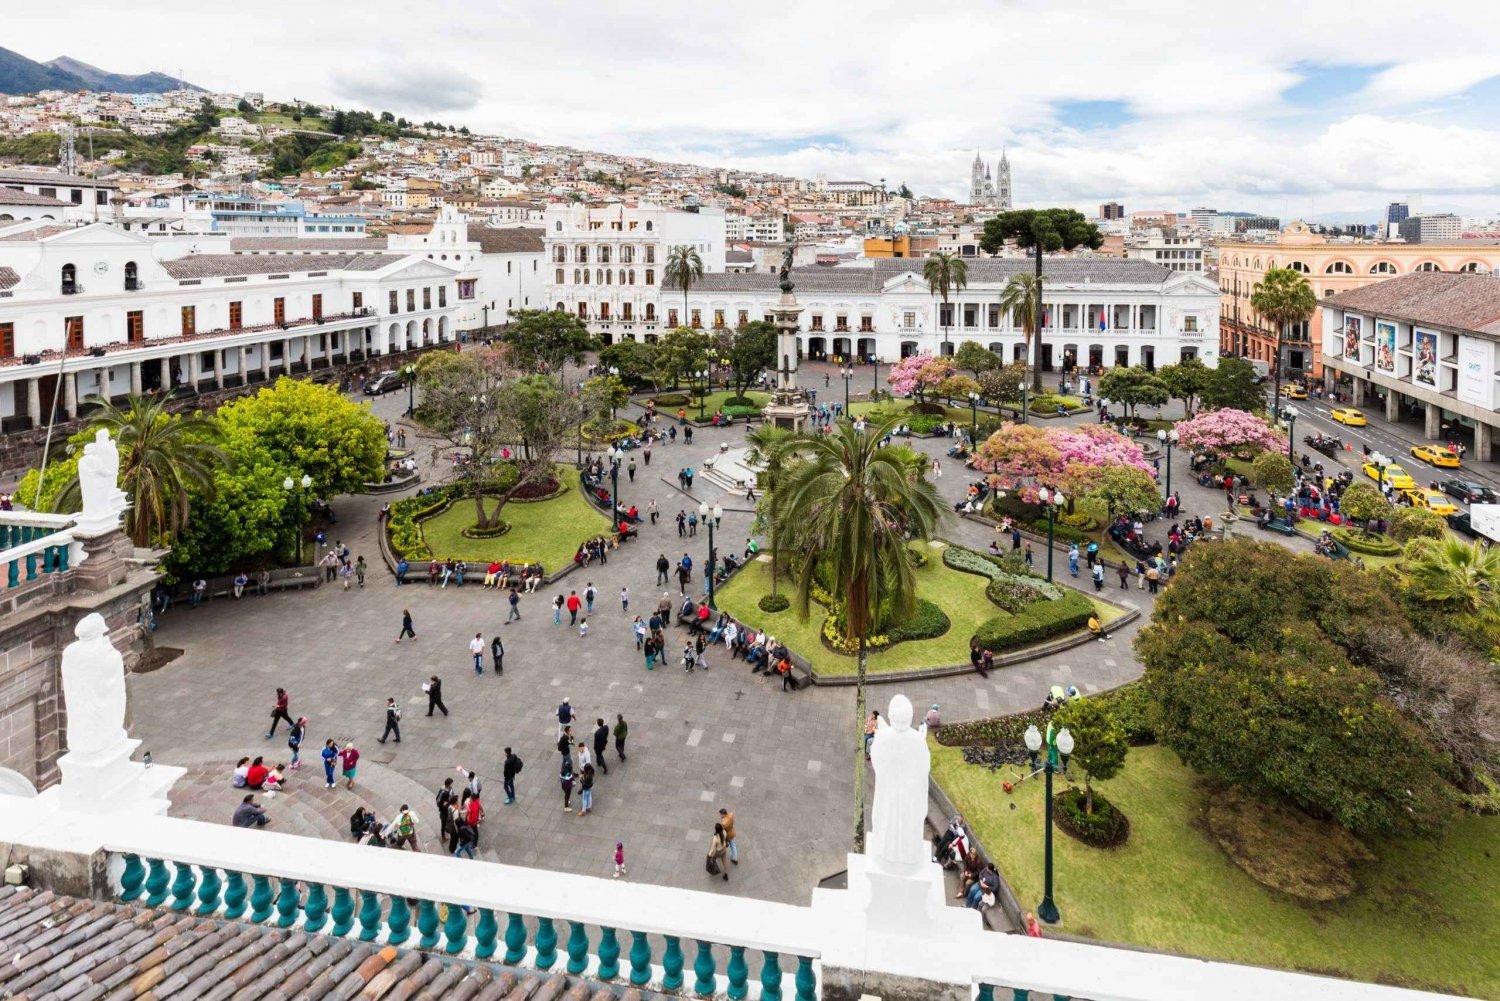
(476,647)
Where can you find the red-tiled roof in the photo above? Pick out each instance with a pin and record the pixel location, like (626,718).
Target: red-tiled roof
(1460,300)
(512,240)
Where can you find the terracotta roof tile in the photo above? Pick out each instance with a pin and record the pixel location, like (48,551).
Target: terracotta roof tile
(502,240)
(9,278)
(1459,300)
(233,265)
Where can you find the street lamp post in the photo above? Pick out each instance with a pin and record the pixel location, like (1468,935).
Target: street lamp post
(614,372)
(1057,743)
(301,485)
(973,416)
(1025,399)
(1381,460)
(1168,439)
(848,373)
(704,515)
(615,453)
(410,372)
(703,375)
(1051,500)
(1291,414)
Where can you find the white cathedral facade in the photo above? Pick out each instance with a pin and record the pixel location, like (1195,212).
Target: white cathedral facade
(988,190)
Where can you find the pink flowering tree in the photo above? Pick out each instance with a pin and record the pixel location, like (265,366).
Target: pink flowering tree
(1025,457)
(918,375)
(1232,433)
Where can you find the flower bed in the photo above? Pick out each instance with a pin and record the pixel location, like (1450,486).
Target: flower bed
(1037,610)
(1106,827)
(994,730)
(1368,545)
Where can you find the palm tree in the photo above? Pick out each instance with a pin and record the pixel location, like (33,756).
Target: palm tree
(773,449)
(1458,574)
(684,268)
(1022,298)
(944,272)
(852,506)
(1284,297)
(163,458)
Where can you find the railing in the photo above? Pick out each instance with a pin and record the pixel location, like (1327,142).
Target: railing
(35,543)
(477,910)
(71,288)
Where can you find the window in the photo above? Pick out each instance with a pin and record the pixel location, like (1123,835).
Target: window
(945,314)
(718,319)
(627,254)
(442,296)
(650,276)
(236,314)
(427,298)
(697,322)
(908,320)
(817,321)
(359,300)
(867,324)
(604,311)
(603,255)
(8,339)
(1382,268)
(317,306)
(74,327)
(583,311)
(651,254)
(581,255)
(132,280)
(69,279)
(395,303)
(135,327)
(671,317)
(189,320)
(586,274)
(1338,268)
(650,312)
(1189,324)
(1298,266)
(599,274)
(992,315)
(1474,268)
(626,312)
(411,300)
(558,277)
(560,254)
(1428,266)
(609,276)
(744,317)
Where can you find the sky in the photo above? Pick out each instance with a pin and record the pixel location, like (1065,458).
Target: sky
(1297,108)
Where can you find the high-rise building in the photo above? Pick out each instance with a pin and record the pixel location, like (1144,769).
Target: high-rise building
(1431,228)
(1396,212)
(1203,217)
(1111,210)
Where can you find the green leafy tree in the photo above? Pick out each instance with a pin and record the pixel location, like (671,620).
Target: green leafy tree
(1022,297)
(684,266)
(1283,297)
(62,470)
(773,449)
(749,350)
(636,361)
(1272,471)
(1100,743)
(857,504)
(905,192)
(340,123)
(1462,576)
(206,118)
(1003,385)
(976,358)
(245,107)
(680,351)
(546,340)
(1040,231)
(958,387)
(605,395)
(944,273)
(1185,381)
(386,116)
(1133,387)
(313,430)
(1361,502)
(1121,489)
(1410,523)
(1232,385)
(245,520)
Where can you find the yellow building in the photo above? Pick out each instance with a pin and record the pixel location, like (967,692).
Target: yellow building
(885,246)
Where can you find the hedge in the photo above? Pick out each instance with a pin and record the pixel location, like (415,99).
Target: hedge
(736,410)
(994,730)
(774,603)
(670,400)
(1370,545)
(929,621)
(1106,827)
(1038,621)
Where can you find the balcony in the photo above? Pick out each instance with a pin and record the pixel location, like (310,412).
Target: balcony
(71,288)
(134,285)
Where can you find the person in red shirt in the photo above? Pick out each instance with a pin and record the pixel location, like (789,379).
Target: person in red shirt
(491,574)
(703,612)
(626,532)
(255,778)
(573,605)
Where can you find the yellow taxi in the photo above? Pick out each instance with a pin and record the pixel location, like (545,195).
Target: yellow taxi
(1433,500)
(1294,392)
(1394,475)
(1348,416)
(1435,454)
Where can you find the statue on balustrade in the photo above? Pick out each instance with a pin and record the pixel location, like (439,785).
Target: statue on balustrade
(93,678)
(902,763)
(99,483)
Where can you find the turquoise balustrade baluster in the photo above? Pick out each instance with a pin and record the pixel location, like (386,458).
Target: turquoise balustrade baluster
(578,948)
(428,925)
(31,566)
(671,964)
(739,974)
(14,578)
(315,910)
(456,929)
(807,980)
(770,977)
(704,984)
(640,959)
(134,875)
(183,886)
(369,915)
(485,933)
(209,890)
(234,894)
(260,897)
(1019,994)
(986,993)
(62,557)
(288,903)
(343,910)
(515,938)
(609,955)
(398,921)
(156,882)
(546,944)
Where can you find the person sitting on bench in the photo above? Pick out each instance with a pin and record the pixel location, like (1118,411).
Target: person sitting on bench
(626,532)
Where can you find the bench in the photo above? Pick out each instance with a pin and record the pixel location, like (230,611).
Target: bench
(223,587)
(1276,525)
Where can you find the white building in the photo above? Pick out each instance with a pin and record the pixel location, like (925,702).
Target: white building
(1175,253)
(606,264)
(1100,312)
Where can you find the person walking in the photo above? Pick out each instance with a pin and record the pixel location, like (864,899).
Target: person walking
(586,790)
(662,566)
(619,859)
(565,779)
(717,850)
(588,598)
(625,600)
(434,690)
(476,647)
(557,607)
(565,715)
(392,721)
(1124,572)
(681,517)
(349,763)
(447,802)
(406,629)
(359,571)
(509,771)
(726,821)
(465,837)
(601,741)
(573,605)
(279,712)
(497,654)
(630,469)
(1099,575)
(515,606)
(621,732)
(294,741)
(330,755)
(1028,554)
(1073,559)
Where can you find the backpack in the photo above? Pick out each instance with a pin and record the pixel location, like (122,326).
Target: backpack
(519,763)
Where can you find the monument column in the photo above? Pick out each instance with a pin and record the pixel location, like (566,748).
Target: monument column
(789,407)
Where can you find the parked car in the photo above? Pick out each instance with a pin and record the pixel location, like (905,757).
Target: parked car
(1435,454)
(1433,500)
(1348,416)
(1393,474)
(1459,522)
(1468,491)
(384,383)
(1294,392)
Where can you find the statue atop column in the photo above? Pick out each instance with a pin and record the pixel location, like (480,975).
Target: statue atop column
(786,267)
(93,678)
(902,763)
(99,483)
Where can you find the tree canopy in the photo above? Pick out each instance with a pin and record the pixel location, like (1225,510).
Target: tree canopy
(1100,743)
(1133,387)
(1185,380)
(1233,384)
(976,358)
(636,360)
(680,351)
(748,351)
(1229,433)
(547,339)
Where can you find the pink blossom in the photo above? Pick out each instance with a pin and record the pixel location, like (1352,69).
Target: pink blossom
(1229,433)
(916,375)
(1026,457)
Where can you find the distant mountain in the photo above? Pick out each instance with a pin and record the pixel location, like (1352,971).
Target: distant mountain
(19,75)
(139,83)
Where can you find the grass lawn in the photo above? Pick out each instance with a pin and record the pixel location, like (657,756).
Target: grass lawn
(960,595)
(713,401)
(549,531)
(1419,918)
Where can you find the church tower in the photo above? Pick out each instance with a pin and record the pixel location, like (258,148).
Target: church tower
(1002,183)
(976,180)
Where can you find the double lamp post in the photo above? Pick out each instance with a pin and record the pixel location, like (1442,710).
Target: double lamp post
(710,517)
(1059,745)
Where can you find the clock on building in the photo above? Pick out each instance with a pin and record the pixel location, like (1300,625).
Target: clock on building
(101,267)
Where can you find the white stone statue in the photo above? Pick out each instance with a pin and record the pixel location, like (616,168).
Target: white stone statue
(99,482)
(93,678)
(902,763)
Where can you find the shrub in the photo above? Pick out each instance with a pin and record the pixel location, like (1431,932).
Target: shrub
(474,532)
(736,410)
(924,423)
(672,400)
(1080,520)
(1134,709)
(1106,827)
(774,603)
(1417,523)
(928,621)
(741,401)
(994,730)
(1038,621)
(1370,545)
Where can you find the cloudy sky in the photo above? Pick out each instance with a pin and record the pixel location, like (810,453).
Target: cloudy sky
(1295,107)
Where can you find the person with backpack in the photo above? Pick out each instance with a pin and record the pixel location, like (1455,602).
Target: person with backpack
(466,837)
(511,769)
(447,799)
(294,741)
(601,741)
(392,721)
(404,829)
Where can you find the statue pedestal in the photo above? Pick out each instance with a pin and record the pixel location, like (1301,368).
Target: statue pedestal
(906,903)
(111,783)
(102,565)
(789,410)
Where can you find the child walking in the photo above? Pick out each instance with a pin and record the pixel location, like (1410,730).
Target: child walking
(619,859)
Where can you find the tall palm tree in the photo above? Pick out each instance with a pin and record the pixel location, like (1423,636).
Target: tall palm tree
(1022,298)
(684,268)
(852,506)
(944,272)
(163,458)
(1457,573)
(774,450)
(1284,297)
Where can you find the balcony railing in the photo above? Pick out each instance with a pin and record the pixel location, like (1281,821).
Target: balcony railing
(33,543)
(71,288)
(134,285)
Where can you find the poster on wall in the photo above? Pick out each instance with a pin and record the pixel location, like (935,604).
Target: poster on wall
(1353,330)
(1385,346)
(1427,357)
(1475,362)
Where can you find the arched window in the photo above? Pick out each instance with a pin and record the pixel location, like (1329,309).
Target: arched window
(560,276)
(604,255)
(1474,268)
(621,277)
(599,276)
(558,226)
(577,277)
(609,277)
(1382,268)
(1257,264)
(69,279)
(1271,263)
(585,276)
(560,307)
(1236,262)
(650,312)
(632,277)
(648,225)
(132,277)
(1300,267)
(1428,266)
(1338,268)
